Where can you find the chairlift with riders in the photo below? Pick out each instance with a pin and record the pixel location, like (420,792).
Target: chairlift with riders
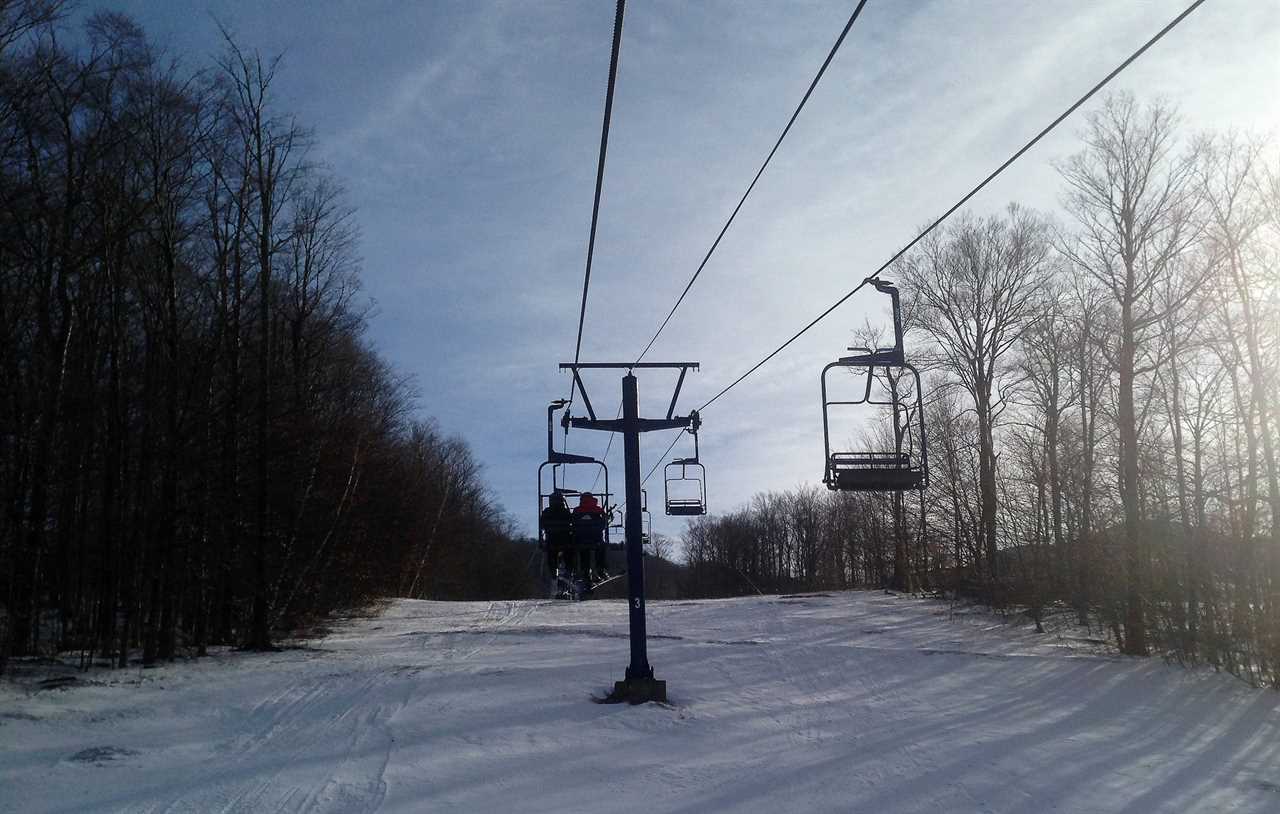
(576,540)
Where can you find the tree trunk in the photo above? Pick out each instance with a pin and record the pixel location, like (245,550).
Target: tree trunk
(1135,623)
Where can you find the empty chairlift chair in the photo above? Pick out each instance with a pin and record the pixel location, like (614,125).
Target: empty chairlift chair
(891,386)
(617,531)
(686,482)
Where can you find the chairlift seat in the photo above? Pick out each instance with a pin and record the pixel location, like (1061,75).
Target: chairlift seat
(686,508)
(878,480)
(872,472)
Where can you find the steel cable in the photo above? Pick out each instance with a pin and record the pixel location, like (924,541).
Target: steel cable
(990,177)
(595,206)
(830,56)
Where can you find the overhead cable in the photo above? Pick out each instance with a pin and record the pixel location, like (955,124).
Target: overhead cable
(724,229)
(595,207)
(1076,105)
(839,41)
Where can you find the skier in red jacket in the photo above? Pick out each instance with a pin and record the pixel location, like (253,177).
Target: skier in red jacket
(588,529)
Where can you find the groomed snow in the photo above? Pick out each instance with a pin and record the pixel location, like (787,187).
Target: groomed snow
(850,702)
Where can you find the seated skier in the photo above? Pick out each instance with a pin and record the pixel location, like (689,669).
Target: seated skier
(557,530)
(589,524)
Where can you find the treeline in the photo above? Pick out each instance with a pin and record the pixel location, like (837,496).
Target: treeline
(1101,409)
(805,539)
(197,444)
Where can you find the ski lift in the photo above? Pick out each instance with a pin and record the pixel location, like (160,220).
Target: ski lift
(905,466)
(617,530)
(562,538)
(685,481)
(560,463)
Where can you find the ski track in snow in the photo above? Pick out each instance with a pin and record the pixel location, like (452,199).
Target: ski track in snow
(853,701)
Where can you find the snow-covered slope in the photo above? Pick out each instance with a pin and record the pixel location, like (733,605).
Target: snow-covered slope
(849,702)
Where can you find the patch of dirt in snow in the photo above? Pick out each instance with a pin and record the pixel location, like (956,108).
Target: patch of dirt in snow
(102,754)
(533,630)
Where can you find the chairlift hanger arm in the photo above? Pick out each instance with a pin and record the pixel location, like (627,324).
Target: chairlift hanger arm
(582,388)
(554,457)
(671,409)
(551,413)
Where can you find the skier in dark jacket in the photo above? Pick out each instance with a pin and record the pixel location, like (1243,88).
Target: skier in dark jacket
(557,530)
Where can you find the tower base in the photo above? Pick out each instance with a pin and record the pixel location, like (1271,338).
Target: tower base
(638,691)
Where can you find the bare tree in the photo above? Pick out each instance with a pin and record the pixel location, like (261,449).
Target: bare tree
(1231,181)
(1133,197)
(20,17)
(976,287)
(1047,350)
(271,147)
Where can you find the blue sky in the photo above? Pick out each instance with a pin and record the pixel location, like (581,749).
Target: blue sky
(466,135)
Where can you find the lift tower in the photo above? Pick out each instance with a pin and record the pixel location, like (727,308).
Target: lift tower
(639,685)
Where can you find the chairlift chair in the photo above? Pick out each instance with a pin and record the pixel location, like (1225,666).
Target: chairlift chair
(616,534)
(685,482)
(556,464)
(618,528)
(906,466)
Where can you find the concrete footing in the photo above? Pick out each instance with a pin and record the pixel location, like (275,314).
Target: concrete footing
(638,691)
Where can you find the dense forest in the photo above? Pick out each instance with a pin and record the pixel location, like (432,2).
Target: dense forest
(1101,410)
(198,445)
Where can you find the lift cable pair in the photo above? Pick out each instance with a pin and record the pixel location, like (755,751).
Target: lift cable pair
(734,214)
(961,202)
(816,79)
(938,222)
